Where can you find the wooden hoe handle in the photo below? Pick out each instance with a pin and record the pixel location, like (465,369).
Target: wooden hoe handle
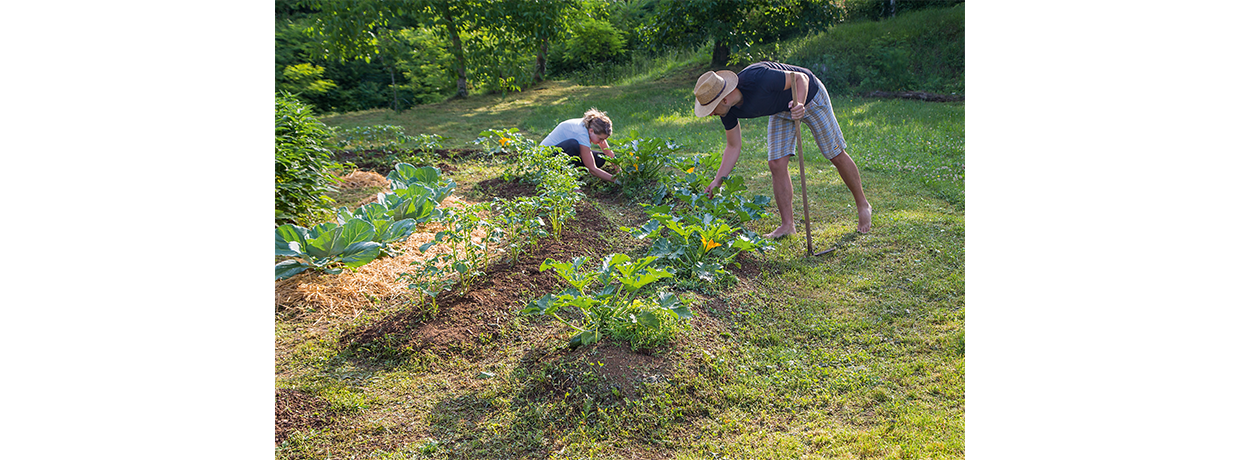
(809,240)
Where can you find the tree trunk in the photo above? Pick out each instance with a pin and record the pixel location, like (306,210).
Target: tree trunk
(392,72)
(462,90)
(395,106)
(540,64)
(719,58)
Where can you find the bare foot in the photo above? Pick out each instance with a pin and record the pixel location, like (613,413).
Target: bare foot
(863,219)
(782,231)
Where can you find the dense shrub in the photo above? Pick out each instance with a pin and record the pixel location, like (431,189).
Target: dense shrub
(916,51)
(873,10)
(303,162)
(592,43)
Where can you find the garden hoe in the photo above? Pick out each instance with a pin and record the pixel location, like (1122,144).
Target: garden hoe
(809,239)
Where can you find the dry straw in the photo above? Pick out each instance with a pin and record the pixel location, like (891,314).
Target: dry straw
(370,287)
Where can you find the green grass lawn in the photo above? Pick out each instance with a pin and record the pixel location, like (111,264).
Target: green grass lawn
(855,354)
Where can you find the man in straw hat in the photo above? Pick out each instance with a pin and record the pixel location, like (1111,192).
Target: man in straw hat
(766,89)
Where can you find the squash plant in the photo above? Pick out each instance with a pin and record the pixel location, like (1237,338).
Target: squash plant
(686,195)
(327,247)
(641,162)
(616,308)
(695,245)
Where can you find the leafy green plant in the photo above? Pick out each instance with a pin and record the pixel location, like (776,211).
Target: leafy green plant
(303,163)
(503,140)
(462,263)
(519,223)
(615,308)
(687,196)
(558,190)
(327,247)
(525,160)
(641,162)
(695,245)
(394,224)
(405,176)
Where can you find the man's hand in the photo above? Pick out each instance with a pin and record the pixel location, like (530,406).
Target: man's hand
(796,109)
(710,189)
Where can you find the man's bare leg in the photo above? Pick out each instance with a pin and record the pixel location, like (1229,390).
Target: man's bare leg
(781,182)
(852,178)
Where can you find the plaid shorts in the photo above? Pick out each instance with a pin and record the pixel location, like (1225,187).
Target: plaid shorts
(781,133)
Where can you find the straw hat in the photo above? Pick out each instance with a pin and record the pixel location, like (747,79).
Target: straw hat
(710,90)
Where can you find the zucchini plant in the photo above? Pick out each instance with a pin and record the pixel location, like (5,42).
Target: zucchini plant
(327,247)
(615,308)
(642,162)
(695,245)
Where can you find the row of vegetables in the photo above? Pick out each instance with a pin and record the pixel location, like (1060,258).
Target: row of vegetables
(693,236)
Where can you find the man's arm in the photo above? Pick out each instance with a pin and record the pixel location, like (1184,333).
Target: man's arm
(730,154)
(799,83)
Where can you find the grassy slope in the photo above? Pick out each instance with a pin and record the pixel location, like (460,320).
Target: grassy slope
(855,354)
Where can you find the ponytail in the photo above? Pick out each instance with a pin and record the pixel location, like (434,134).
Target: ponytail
(597,122)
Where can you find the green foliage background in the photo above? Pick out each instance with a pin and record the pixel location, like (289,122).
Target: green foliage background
(302,177)
(853,46)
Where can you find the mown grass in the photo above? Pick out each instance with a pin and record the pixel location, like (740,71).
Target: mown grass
(855,354)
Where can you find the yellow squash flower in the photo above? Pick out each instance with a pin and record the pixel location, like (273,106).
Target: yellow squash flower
(689,171)
(503,141)
(710,244)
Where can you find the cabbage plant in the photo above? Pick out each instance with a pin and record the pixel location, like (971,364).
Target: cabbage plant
(327,247)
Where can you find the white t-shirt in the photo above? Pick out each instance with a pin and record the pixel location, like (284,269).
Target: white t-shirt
(568,129)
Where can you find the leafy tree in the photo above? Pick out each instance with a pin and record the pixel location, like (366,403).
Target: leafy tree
(732,23)
(537,22)
(472,29)
(305,78)
(693,22)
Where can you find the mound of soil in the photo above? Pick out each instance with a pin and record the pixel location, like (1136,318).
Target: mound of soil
(476,316)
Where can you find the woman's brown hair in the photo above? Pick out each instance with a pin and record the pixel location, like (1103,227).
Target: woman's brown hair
(597,122)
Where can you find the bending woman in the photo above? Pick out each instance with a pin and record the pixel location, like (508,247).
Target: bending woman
(575,136)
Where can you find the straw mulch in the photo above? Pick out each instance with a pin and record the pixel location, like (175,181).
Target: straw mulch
(362,179)
(369,287)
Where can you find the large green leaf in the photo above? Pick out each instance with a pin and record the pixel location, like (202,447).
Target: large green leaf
(360,253)
(290,240)
(289,268)
(322,241)
(395,231)
(357,231)
(405,174)
(648,319)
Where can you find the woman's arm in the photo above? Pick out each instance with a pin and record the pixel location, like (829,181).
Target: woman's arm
(587,158)
(606,148)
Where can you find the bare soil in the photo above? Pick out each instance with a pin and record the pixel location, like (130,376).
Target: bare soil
(298,410)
